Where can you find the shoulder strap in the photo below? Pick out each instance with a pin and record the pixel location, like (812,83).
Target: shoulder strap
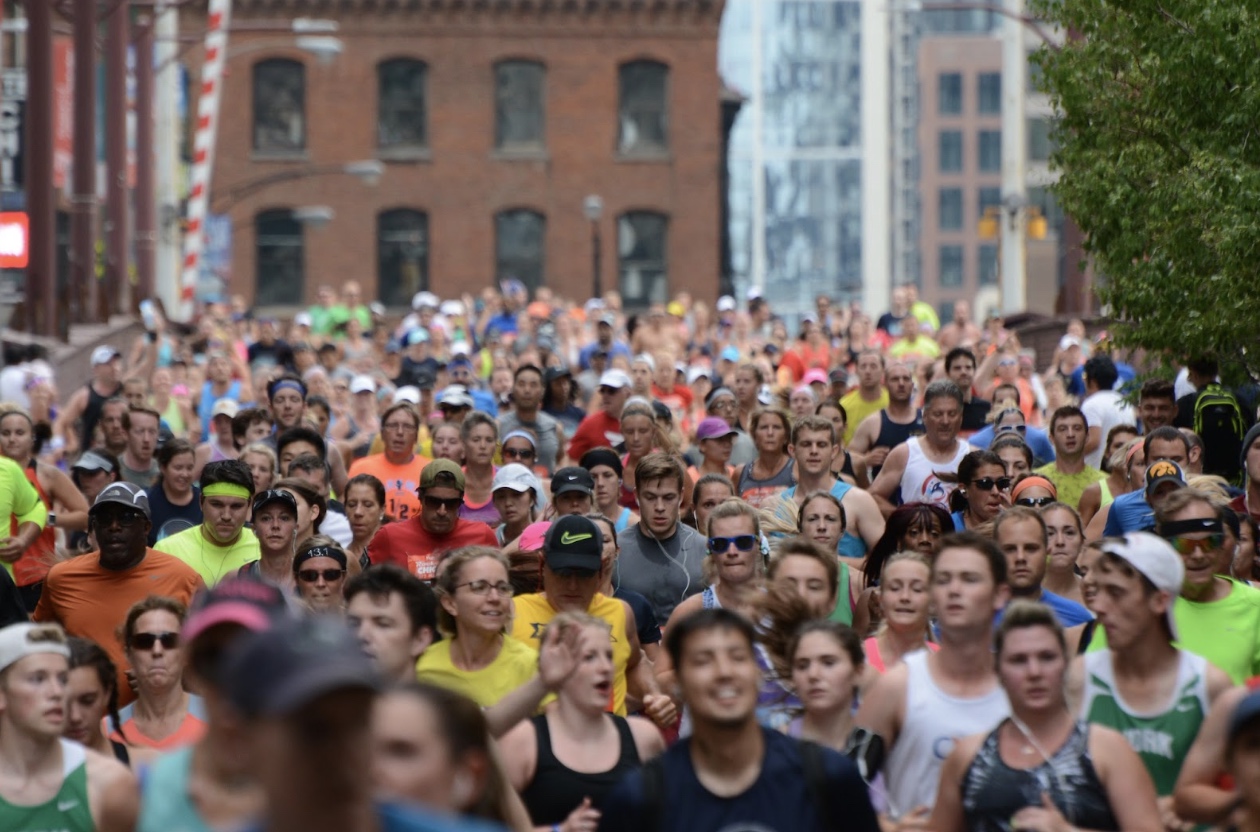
(654,794)
(816,782)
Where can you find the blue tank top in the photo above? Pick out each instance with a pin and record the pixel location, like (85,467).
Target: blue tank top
(623,520)
(165,804)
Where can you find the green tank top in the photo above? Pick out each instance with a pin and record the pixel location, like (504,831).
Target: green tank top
(68,811)
(843,612)
(1161,739)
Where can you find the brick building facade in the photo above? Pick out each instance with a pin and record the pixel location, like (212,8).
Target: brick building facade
(494,121)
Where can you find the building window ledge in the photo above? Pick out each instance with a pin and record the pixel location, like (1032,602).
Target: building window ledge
(404,154)
(644,157)
(279,156)
(520,154)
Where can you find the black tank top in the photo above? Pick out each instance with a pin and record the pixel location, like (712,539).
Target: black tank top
(892,434)
(557,790)
(92,414)
(992,791)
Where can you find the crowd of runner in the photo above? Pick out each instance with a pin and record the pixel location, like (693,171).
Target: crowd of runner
(519,563)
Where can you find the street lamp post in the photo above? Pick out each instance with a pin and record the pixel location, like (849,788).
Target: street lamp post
(593,207)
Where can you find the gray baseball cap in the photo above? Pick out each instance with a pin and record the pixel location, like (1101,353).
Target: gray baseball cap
(125,494)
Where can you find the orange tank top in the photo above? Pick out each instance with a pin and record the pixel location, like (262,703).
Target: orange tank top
(35,562)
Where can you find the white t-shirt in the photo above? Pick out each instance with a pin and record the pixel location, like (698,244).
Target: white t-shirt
(1104,410)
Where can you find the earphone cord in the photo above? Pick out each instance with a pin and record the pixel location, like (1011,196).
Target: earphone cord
(682,552)
(1054,770)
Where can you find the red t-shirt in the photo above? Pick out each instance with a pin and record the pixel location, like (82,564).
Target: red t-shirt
(408,545)
(1239,505)
(598,430)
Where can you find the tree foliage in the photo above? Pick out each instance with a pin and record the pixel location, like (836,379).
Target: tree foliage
(1159,154)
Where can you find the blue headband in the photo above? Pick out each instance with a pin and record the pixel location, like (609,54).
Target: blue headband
(288,384)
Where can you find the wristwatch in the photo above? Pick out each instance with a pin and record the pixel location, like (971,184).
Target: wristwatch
(52,519)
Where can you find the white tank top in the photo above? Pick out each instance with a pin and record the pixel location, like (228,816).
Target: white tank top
(919,483)
(933,721)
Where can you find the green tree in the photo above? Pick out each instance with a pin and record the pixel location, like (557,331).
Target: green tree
(1159,154)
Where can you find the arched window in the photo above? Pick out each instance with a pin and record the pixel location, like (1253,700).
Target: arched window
(520,246)
(280,276)
(519,96)
(402,121)
(641,258)
(643,107)
(402,255)
(279,106)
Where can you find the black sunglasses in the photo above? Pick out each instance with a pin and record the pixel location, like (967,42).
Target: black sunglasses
(518,453)
(450,503)
(987,483)
(1034,502)
(145,641)
(742,542)
(310,576)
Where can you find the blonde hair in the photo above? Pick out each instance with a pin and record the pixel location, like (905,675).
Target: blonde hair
(448,579)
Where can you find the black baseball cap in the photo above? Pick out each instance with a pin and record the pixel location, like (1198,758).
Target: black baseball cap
(273,495)
(574,542)
(278,671)
(572,478)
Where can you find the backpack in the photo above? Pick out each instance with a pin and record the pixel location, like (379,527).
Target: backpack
(1219,422)
(811,766)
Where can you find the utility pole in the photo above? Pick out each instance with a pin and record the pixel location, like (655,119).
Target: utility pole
(166,156)
(41,270)
(116,224)
(1014,280)
(84,286)
(146,219)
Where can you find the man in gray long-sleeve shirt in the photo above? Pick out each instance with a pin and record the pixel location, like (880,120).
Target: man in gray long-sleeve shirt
(660,558)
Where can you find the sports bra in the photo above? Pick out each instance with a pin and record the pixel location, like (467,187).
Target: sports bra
(556,789)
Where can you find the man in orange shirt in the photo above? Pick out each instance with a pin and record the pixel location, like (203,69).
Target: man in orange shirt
(419,543)
(398,466)
(89,595)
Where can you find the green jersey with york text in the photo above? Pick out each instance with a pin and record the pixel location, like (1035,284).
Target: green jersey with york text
(67,811)
(1161,738)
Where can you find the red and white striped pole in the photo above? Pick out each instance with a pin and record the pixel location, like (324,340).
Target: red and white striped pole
(220,13)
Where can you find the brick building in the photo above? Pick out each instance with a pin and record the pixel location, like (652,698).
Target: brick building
(495,121)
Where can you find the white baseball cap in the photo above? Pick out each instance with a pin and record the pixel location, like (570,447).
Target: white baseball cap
(303,319)
(424,299)
(614,378)
(1156,559)
(362,384)
(698,372)
(726,303)
(104,354)
(516,477)
(407,393)
(16,642)
(452,307)
(225,407)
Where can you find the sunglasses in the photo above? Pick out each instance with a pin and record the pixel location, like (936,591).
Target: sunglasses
(1188,545)
(742,542)
(987,483)
(126,519)
(1012,428)
(1034,502)
(449,503)
(310,576)
(518,453)
(145,641)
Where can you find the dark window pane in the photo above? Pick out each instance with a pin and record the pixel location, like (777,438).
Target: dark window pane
(641,258)
(279,105)
(989,89)
(1040,145)
(951,261)
(402,255)
(518,104)
(951,202)
(949,94)
(643,112)
(990,151)
(520,246)
(990,198)
(401,121)
(988,260)
(281,270)
(951,148)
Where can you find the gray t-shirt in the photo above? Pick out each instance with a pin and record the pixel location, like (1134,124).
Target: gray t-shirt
(743,451)
(543,426)
(663,571)
(143,479)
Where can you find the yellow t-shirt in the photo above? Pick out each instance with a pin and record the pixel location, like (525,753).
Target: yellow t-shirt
(858,408)
(212,561)
(534,612)
(515,665)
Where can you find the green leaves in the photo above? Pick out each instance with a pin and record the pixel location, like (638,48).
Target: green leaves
(1159,153)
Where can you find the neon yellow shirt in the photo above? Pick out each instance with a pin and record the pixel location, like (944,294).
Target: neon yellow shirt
(1071,486)
(515,665)
(858,408)
(18,499)
(211,561)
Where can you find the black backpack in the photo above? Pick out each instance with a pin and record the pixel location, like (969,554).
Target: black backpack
(1220,423)
(811,765)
